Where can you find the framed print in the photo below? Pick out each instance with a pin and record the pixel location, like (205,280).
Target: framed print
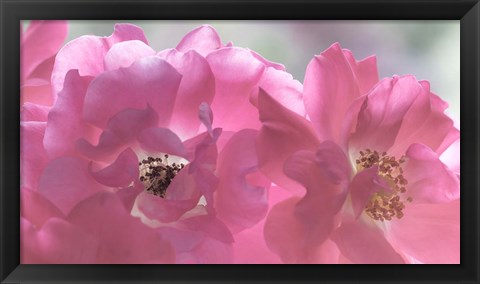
(239,141)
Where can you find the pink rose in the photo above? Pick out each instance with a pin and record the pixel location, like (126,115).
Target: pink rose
(373,173)
(147,157)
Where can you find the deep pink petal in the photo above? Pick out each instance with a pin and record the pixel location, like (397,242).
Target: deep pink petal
(209,251)
(66,181)
(161,140)
(429,180)
(238,202)
(283,132)
(237,74)
(149,81)
(266,62)
(124,54)
(211,226)
(122,172)
(383,112)
(364,243)
(57,242)
(36,208)
(203,40)
(34,47)
(197,87)
(332,81)
(86,53)
(423,123)
(429,232)
(123,238)
(33,158)
(65,123)
(318,210)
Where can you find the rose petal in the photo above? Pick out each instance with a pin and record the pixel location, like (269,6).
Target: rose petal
(383,111)
(332,81)
(86,53)
(237,74)
(197,87)
(36,208)
(365,244)
(122,172)
(429,232)
(239,203)
(33,158)
(35,49)
(123,54)
(203,40)
(161,140)
(34,112)
(67,181)
(123,238)
(429,180)
(283,132)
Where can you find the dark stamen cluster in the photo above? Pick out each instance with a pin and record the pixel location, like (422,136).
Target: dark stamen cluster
(156,174)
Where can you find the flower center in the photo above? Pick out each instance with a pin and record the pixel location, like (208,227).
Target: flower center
(157,174)
(385,205)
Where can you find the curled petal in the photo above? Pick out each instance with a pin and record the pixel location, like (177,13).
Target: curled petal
(86,53)
(283,132)
(123,54)
(429,180)
(34,112)
(33,158)
(122,172)
(162,140)
(239,203)
(203,39)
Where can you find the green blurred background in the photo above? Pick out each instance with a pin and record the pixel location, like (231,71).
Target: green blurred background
(429,50)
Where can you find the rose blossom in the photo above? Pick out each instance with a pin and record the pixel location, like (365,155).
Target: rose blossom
(368,171)
(147,150)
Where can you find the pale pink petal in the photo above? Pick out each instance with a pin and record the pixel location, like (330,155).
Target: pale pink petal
(429,232)
(56,242)
(423,123)
(36,208)
(210,226)
(34,47)
(284,89)
(365,244)
(43,71)
(363,185)
(34,112)
(318,210)
(122,130)
(283,132)
(33,158)
(333,162)
(123,54)
(148,81)
(123,238)
(65,123)
(163,210)
(238,202)
(205,115)
(161,140)
(237,74)
(67,181)
(197,87)
(365,70)
(86,53)
(203,40)
(383,111)
(330,86)
(451,157)
(122,172)
(452,137)
(129,194)
(429,180)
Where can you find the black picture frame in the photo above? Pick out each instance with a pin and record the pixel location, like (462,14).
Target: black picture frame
(12,11)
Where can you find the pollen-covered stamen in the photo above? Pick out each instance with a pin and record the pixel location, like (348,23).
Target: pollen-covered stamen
(157,174)
(385,205)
